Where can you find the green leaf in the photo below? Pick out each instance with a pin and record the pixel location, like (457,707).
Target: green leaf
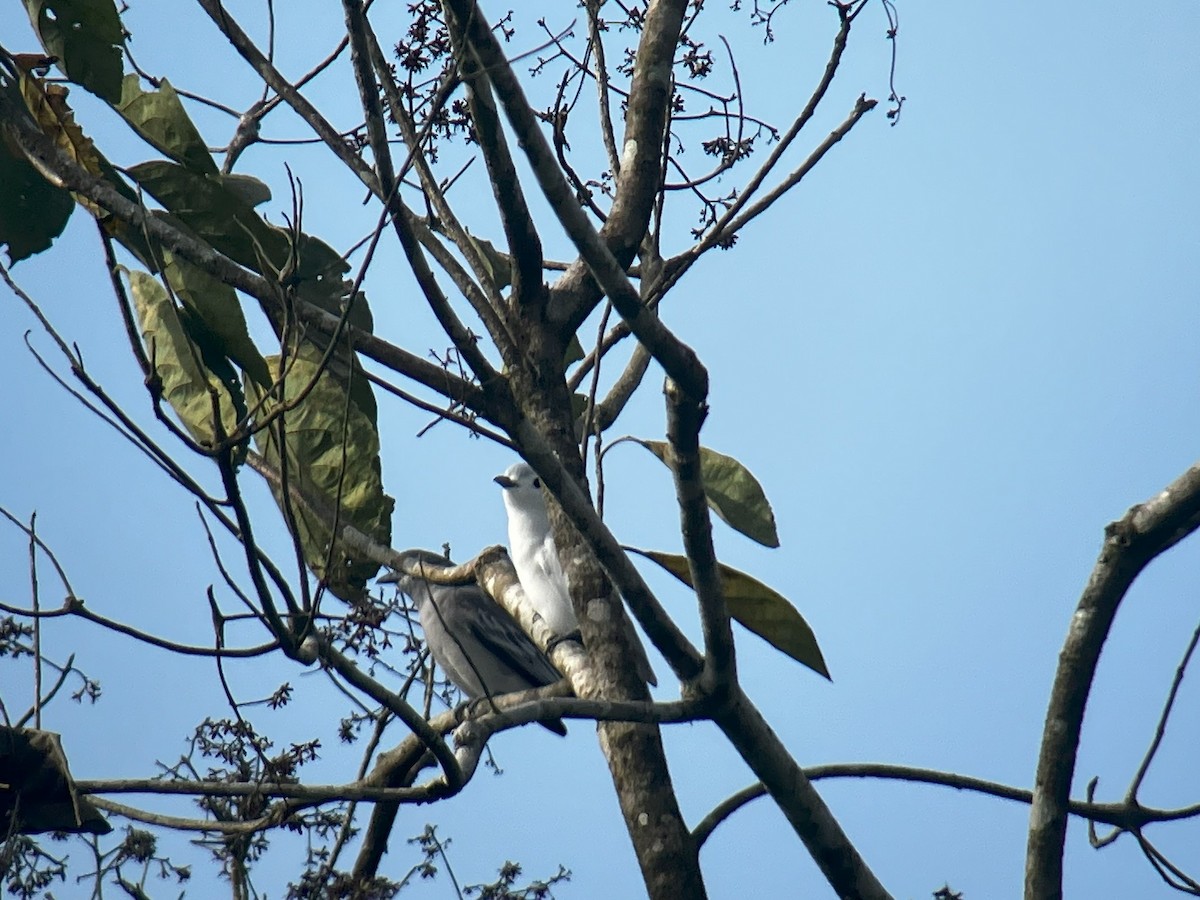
(732,492)
(33,212)
(214,306)
(47,103)
(220,215)
(757,607)
(498,265)
(187,366)
(159,117)
(331,446)
(86,37)
(574,351)
(247,187)
(213,212)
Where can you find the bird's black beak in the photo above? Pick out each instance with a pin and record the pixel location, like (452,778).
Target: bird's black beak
(389,577)
(504,481)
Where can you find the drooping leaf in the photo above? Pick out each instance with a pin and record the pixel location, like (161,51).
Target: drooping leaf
(247,187)
(332,451)
(40,794)
(756,606)
(47,103)
(221,216)
(732,492)
(159,117)
(33,212)
(213,212)
(190,370)
(214,306)
(86,37)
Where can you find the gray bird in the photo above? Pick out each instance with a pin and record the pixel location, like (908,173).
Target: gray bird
(535,557)
(479,646)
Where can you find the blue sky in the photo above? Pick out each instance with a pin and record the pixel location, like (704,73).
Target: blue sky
(951,356)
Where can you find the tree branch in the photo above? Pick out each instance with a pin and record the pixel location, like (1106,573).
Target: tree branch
(641,162)
(679,360)
(838,859)
(1147,530)
(1126,815)
(684,418)
(524,242)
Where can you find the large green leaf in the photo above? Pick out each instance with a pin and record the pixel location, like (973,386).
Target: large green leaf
(215,306)
(161,120)
(213,212)
(757,607)
(332,446)
(733,493)
(189,370)
(86,37)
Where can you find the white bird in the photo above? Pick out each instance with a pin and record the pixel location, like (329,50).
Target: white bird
(479,646)
(535,557)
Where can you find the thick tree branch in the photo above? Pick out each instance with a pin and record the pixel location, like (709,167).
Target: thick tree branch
(480,292)
(524,242)
(402,218)
(646,115)
(1148,529)
(676,357)
(275,81)
(838,859)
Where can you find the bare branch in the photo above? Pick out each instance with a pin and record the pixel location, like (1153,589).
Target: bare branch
(524,242)
(758,744)
(684,419)
(1148,529)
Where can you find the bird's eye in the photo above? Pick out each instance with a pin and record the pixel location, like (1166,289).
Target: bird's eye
(537,482)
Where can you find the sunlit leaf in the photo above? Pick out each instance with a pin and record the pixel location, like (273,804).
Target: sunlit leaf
(48,104)
(757,607)
(159,117)
(190,370)
(86,37)
(732,492)
(332,453)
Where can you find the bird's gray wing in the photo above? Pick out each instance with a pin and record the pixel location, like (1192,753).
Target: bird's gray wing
(504,640)
(481,648)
